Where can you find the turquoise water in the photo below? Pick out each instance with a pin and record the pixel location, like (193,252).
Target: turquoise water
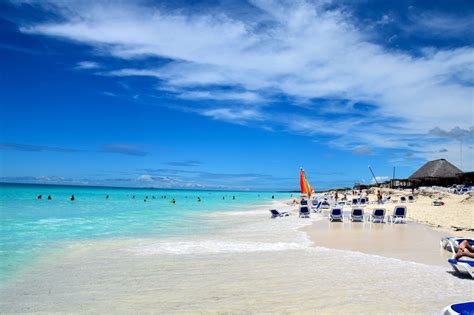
(31,227)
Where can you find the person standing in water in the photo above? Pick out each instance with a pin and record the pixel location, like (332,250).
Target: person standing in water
(173,201)
(199,199)
(107,197)
(72,198)
(49,197)
(273,197)
(40,197)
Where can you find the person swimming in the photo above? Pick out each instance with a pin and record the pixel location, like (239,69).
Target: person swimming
(133,197)
(49,197)
(152,197)
(40,197)
(72,198)
(173,201)
(223,198)
(233,197)
(273,197)
(107,197)
(199,199)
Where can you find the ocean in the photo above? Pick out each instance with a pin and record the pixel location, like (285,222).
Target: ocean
(33,228)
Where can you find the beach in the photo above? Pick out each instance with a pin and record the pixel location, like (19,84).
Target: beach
(248,264)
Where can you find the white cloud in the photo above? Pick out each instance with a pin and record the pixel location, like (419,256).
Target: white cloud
(298,49)
(87,65)
(145,178)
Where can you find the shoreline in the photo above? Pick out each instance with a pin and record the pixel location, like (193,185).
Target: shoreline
(254,264)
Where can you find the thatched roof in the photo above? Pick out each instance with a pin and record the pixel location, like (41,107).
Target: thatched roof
(437,168)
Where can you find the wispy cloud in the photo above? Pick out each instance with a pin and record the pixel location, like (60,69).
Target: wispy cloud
(299,50)
(87,65)
(35,148)
(456,133)
(122,148)
(185,163)
(362,150)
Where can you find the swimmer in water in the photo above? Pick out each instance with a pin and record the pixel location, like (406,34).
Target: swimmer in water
(50,198)
(107,197)
(233,197)
(72,198)
(173,201)
(199,199)
(40,197)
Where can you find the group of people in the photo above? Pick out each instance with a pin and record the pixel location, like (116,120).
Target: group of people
(173,201)
(51,198)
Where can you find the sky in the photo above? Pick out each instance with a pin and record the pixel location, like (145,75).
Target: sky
(233,94)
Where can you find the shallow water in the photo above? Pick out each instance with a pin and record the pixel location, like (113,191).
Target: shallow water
(31,228)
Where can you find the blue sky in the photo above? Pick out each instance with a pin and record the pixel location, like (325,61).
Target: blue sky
(233,95)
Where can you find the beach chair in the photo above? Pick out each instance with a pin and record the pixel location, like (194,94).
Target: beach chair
(275,213)
(357,215)
(335,215)
(378,215)
(355,201)
(325,205)
(314,205)
(403,199)
(463,266)
(362,202)
(304,202)
(304,212)
(399,215)
(411,198)
(459,309)
(451,244)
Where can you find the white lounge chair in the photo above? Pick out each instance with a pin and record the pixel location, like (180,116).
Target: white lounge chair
(275,213)
(357,215)
(378,215)
(411,198)
(304,212)
(315,205)
(335,215)
(403,199)
(464,266)
(459,309)
(399,215)
(451,244)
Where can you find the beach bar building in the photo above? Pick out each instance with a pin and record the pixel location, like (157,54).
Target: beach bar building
(436,173)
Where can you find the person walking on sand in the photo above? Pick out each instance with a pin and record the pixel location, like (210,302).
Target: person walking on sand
(465,250)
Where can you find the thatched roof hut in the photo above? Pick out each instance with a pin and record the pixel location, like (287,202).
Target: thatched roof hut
(436,169)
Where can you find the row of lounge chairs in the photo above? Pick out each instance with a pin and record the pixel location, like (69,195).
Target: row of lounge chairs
(357,214)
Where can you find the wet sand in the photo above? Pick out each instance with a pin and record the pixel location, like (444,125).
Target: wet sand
(409,242)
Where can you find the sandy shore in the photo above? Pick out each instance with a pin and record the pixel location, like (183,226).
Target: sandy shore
(254,264)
